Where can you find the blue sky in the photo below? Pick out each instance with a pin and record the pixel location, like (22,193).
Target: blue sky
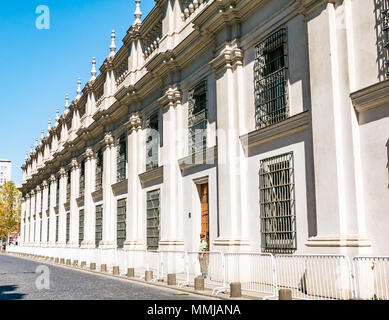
(38,67)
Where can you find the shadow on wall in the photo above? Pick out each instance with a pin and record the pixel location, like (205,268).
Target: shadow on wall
(380,36)
(387,165)
(5,295)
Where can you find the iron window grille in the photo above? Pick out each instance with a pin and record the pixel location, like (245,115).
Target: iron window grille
(270,76)
(121,223)
(121,159)
(277,202)
(99,170)
(57,194)
(68,185)
(67,227)
(153,219)
(197,121)
(82,178)
(81,226)
(56,227)
(385,30)
(152,142)
(99,225)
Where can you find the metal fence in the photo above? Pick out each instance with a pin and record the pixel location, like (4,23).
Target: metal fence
(307,276)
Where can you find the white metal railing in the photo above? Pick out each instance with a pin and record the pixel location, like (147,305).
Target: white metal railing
(255,271)
(315,276)
(312,276)
(371,277)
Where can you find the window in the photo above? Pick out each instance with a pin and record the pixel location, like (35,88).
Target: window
(385,30)
(152,142)
(67,227)
(48,228)
(99,224)
(99,170)
(270,74)
(81,226)
(278,218)
(197,122)
(56,227)
(57,194)
(153,219)
(40,229)
(68,186)
(82,178)
(48,197)
(121,222)
(41,202)
(121,159)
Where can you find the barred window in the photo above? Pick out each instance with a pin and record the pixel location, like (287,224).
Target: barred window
(81,226)
(270,76)
(152,142)
(385,30)
(57,194)
(82,179)
(99,224)
(153,219)
(40,230)
(67,227)
(99,170)
(68,185)
(197,122)
(121,222)
(48,229)
(56,227)
(121,159)
(48,197)
(42,201)
(278,217)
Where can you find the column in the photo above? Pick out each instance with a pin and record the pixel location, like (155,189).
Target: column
(22,222)
(89,206)
(109,209)
(38,214)
(133,215)
(27,216)
(61,207)
(45,207)
(169,213)
(74,191)
(32,220)
(53,186)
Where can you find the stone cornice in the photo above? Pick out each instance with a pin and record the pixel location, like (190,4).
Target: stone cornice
(371,97)
(287,127)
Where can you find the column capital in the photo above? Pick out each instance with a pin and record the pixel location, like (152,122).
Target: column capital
(134,123)
(74,164)
(37,189)
(32,192)
(172,97)
(62,172)
(108,140)
(52,179)
(89,153)
(44,184)
(27,196)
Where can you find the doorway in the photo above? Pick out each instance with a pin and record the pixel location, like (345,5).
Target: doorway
(204,199)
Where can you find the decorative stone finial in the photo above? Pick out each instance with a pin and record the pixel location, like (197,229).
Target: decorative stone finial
(113,45)
(49,127)
(36,142)
(78,97)
(56,118)
(26,157)
(42,134)
(138,13)
(31,149)
(67,104)
(93,71)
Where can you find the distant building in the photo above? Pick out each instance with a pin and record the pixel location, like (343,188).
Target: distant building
(5,171)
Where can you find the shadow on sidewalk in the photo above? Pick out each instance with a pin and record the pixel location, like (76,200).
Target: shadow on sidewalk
(5,295)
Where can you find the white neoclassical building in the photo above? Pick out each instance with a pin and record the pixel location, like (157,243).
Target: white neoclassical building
(263,125)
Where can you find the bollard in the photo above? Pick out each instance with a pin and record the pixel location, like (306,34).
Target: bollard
(131,272)
(115,271)
(75,263)
(103,268)
(199,284)
(148,275)
(92,266)
(62,261)
(235,290)
(284,294)
(51,259)
(171,279)
(83,264)
(56,260)
(68,262)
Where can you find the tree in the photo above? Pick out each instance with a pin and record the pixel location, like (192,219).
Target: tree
(9,210)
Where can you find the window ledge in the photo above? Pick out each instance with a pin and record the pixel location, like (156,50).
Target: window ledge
(287,127)
(206,156)
(150,176)
(371,97)
(97,195)
(120,187)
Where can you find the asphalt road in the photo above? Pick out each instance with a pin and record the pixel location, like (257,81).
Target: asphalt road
(18,281)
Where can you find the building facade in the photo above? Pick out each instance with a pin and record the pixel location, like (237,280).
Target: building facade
(5,171)
(263,125)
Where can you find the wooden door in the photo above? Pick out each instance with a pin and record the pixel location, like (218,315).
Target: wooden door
(204,212)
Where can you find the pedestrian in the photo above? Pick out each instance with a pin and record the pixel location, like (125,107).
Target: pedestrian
(203,257)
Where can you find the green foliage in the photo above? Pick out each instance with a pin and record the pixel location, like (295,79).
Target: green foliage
(9,209)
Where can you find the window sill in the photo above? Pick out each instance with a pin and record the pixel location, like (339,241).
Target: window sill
(287,127)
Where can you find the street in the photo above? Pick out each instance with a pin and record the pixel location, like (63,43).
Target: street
(18,279)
